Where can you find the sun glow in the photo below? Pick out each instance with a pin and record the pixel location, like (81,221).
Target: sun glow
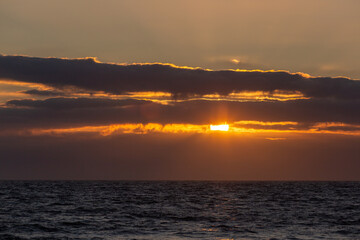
(222,127)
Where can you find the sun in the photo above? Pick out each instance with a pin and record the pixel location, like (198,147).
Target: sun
(221,127)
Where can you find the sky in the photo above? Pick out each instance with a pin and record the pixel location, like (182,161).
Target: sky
(131,90)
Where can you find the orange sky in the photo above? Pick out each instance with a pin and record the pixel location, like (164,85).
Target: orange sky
(130,90)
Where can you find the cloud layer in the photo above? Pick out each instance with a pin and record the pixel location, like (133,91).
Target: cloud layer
(74,112)
(326,100)
(180,81)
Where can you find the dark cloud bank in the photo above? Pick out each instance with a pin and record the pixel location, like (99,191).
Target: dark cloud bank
(194,157)
(331,99)
(117,79)
(75,112)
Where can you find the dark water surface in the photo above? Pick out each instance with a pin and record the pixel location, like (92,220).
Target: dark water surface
(179,210)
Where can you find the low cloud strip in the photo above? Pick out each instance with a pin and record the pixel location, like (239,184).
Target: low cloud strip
(92,75)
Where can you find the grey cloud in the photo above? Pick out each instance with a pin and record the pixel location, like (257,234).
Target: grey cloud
(118,79)
(46,93)
(64,112)
(165,156)
(71,103)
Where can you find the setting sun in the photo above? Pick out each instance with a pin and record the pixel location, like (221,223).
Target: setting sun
(222,127)
(209,114)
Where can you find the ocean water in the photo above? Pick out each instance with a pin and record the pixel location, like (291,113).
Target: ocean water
(179,210)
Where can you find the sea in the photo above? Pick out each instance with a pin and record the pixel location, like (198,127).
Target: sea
(179,210)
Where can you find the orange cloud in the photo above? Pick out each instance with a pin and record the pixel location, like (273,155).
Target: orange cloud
(149,128)
(23,84)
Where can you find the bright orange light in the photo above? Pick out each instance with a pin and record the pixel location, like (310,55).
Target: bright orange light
(222,127)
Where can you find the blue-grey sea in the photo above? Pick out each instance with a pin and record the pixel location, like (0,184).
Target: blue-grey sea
(179,210)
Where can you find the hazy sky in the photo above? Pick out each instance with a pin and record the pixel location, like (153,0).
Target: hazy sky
(319,37)
(129,89)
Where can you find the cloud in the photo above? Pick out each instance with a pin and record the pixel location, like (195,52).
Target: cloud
(174,156)
(71,103)
(44,93)
(234,62)
(77,112)
(329,99)
(92,75)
